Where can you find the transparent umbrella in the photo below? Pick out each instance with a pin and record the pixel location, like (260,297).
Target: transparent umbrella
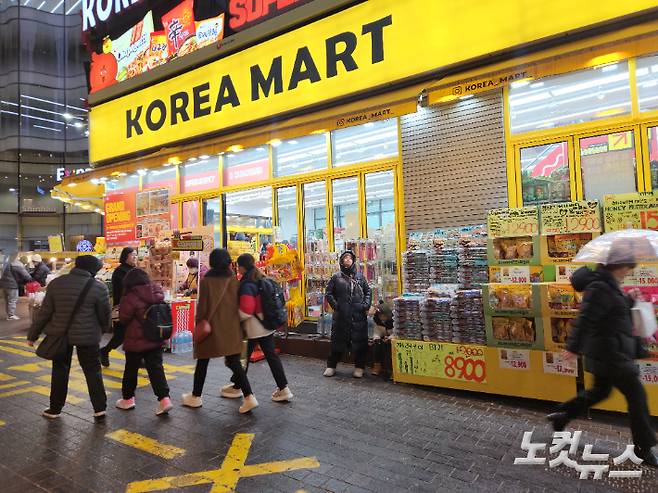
(621,247)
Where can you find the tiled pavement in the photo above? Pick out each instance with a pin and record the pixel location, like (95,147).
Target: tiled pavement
(368,436)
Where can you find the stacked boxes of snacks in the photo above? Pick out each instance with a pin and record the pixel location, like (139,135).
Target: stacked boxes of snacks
(560,304)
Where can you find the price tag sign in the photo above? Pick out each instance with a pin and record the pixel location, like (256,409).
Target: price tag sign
(631,211)
(511,223)
(648,372)
(642,275)
(571,217)
(554,363)
(514,359)
(563,272)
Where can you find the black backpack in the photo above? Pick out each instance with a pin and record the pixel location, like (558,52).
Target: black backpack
(273,301)
(157,323)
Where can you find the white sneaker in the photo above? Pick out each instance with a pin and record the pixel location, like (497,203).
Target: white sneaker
(164,406)
(126,404)
(50,414)
(282,395)
(358,373)
(248,403)
(13,317)
(329,372)
(230,392)
(191,400)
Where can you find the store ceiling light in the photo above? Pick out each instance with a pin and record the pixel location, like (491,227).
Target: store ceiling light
(610,68)
(67,116)
(235,148)
(77,204)
(86,207)
(275,142)
(192,159)
(53,259)
(95,181)
(12,189)
(72,184)
(141,172)
(204,156)
(78,124)
(520,83)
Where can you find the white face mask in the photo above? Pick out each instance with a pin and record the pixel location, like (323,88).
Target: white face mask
(193,270)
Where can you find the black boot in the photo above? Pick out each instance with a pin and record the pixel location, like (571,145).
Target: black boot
(647,456)
(559,420)
(105,358)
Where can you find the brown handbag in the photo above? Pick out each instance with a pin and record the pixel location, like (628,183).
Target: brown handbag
(202,329)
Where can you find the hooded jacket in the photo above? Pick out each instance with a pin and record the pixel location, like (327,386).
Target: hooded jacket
(14,276)
(131,313)
(603,331)
(41,272)
(350,297)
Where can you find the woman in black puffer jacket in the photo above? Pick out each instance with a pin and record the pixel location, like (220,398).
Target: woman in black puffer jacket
(603,333)
(350,297)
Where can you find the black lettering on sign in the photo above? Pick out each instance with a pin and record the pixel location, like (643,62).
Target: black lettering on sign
(345,56)
(226,94)
(304,68)
(179,102)
(376,31)
(261,83)
(155,125)
(132,123)
(201,99)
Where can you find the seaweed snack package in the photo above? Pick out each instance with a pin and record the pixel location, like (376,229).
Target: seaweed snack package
(210,31)
(180,28)
(158,49)
(131,49)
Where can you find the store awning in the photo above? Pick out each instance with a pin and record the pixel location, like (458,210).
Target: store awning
(83,194)
(381,107)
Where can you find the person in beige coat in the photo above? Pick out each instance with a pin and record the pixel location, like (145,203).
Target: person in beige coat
(218,304)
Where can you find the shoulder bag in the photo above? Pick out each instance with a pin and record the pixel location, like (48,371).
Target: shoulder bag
(55,347)
(202,329)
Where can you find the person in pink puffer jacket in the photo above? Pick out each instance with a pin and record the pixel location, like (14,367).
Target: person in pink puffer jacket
(139,294)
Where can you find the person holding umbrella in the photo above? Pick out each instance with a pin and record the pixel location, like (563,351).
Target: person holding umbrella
(603,333)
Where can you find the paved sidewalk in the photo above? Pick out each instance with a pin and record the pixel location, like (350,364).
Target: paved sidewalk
(338,435)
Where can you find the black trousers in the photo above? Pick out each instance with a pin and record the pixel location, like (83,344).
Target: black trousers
(117,338)
(360,357)
(628,384)
(382,353)
(239,377)
(88,356)
(269,350)
(153,363)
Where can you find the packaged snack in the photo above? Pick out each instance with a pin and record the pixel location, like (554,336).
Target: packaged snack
(210,31)
(524,249)
(501,328)
(521,329)
(180,28)
(509,249)
(158,50)
(131,49)
(560,329)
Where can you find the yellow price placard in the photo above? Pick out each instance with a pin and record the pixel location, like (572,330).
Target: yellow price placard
(570,217)
(631,211)
(509,223)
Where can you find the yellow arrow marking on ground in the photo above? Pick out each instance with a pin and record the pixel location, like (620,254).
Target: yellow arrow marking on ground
(2,423)
(31,367)
(20,352)
(225,479)
(41,390)
(15,343)
(145,443)
(13,384)
(4,377)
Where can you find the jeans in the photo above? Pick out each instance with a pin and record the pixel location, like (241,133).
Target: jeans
(88,356)
(628,384)
(232,362)
(269,350)
(11,298)
(359,358)
(117,338)
(153,362)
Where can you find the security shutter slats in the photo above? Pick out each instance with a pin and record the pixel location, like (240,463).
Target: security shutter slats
(454,164)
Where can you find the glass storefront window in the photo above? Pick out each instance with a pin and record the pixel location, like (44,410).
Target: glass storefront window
(346,211)
(160,178)
(545,173)
(576,97)
(380,266)
(315,211)
(37,180)
(286,203)
(653,155)
(608,164)
(200,175)
(316,257)
(647,82)
(8,187)
(122,183)
(249,221)
(191,214)
(248,166)
(363,143)
(212,217)
(301,155)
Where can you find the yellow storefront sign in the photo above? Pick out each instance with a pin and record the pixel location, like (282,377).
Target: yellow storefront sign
(631,211)
(361,48)
(510,223)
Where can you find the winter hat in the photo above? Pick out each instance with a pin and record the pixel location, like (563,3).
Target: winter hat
(89,263)
(124,254)
(192,263)
(36,258)
(345,253)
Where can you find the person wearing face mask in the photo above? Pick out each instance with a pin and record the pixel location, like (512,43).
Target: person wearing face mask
(191,285)
(350,297)
(603,333)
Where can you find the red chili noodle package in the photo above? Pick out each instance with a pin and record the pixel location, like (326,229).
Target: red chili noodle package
(180,28)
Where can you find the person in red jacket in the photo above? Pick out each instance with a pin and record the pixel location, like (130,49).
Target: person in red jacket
(139,294)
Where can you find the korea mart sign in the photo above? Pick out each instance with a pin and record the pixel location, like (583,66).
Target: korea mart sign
(364,47)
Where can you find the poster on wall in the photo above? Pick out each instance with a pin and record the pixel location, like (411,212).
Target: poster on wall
(120,218)
(152,213)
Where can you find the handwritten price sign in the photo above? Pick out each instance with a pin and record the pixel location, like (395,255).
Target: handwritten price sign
(571,217)
(631,210)
(441,360)
(510,223)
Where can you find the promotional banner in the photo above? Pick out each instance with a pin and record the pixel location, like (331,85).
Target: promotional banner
(358,49)
(570,217)
(631,211)
(120,217)
(152,213)
(508,223)
(441,360)
(247,173)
